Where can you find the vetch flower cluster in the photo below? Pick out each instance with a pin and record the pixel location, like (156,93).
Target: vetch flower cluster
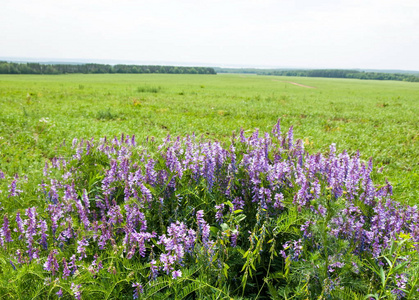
(169,205)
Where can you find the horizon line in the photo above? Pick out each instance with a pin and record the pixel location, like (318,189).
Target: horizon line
(178,64)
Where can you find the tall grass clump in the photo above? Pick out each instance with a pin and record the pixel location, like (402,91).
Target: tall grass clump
(148,89)
(106,115)
(192,218)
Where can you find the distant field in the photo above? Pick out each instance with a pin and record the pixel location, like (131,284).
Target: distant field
(380,118)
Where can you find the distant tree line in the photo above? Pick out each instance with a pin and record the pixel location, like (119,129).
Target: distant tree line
(328,73)
(37,68)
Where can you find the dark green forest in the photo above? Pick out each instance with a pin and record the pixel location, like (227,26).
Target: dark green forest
(328,73)
(37,68)
(91,68)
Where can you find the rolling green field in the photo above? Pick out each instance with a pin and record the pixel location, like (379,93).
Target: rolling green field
(380,118)
(187,218)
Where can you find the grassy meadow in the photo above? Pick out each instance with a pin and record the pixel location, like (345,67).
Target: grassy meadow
(379,118)
(257,215)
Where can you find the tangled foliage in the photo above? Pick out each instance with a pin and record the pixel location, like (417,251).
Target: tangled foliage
(190,218)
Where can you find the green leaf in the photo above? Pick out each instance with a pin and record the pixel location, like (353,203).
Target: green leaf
(240,218)
(225,269)
(402,265)
(224,227)
(367,297)
(383,277)
(392,247)
(388,261)
(214,230)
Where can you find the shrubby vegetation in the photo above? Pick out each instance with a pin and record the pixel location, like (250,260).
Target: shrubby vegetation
(327,73)
(37,68)
(188,218)
(38,111)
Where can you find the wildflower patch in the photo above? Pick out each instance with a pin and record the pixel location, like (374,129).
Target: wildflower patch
(190,217)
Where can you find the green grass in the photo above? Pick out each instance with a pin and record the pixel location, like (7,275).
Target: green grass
(380,118)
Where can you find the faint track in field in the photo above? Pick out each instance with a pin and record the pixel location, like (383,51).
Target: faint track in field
(295,83)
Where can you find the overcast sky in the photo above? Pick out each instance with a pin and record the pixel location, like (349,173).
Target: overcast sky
(379,34)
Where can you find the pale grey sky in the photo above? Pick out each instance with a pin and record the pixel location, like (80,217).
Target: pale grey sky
(379,34)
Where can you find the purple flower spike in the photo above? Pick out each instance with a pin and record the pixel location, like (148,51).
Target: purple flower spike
(43,227)
(278,201)
(176,274)
(13,190)
(401,281)
(290,137)
(59,293)
(81,247)
(5,231)
(294,247)
(72,264)
(276,131)
(45,171)
(51,264)
(219,214)
(138,289)
(76,291)
(30,231)
(204,228)
(234,236)
(96,265)
(154,270)
(66,270)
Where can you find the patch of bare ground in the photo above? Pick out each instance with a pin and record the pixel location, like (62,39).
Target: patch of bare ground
(295,83)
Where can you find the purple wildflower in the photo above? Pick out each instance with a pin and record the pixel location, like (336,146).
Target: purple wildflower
(115,216)
(321,210)
(81,247)
(56,212)
(238,203)
(86,202)
(51,265)
(13,190)
(279,198)
(74,143)
(66,270)
(19,256)
(72,265)
(59,293)
(290,137)
(276,130)
(30,231)
(335,265)
(305,228)
(43,227)
(204,228)
(234,236)
(105,236)
(96,265)
(5,231)
(154,271)
(219,214)
(76,291)
(176,274)
(138,289)
(401,282)
(151,174)
(179,240)
(13,265)
(83,214)
(294,247)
